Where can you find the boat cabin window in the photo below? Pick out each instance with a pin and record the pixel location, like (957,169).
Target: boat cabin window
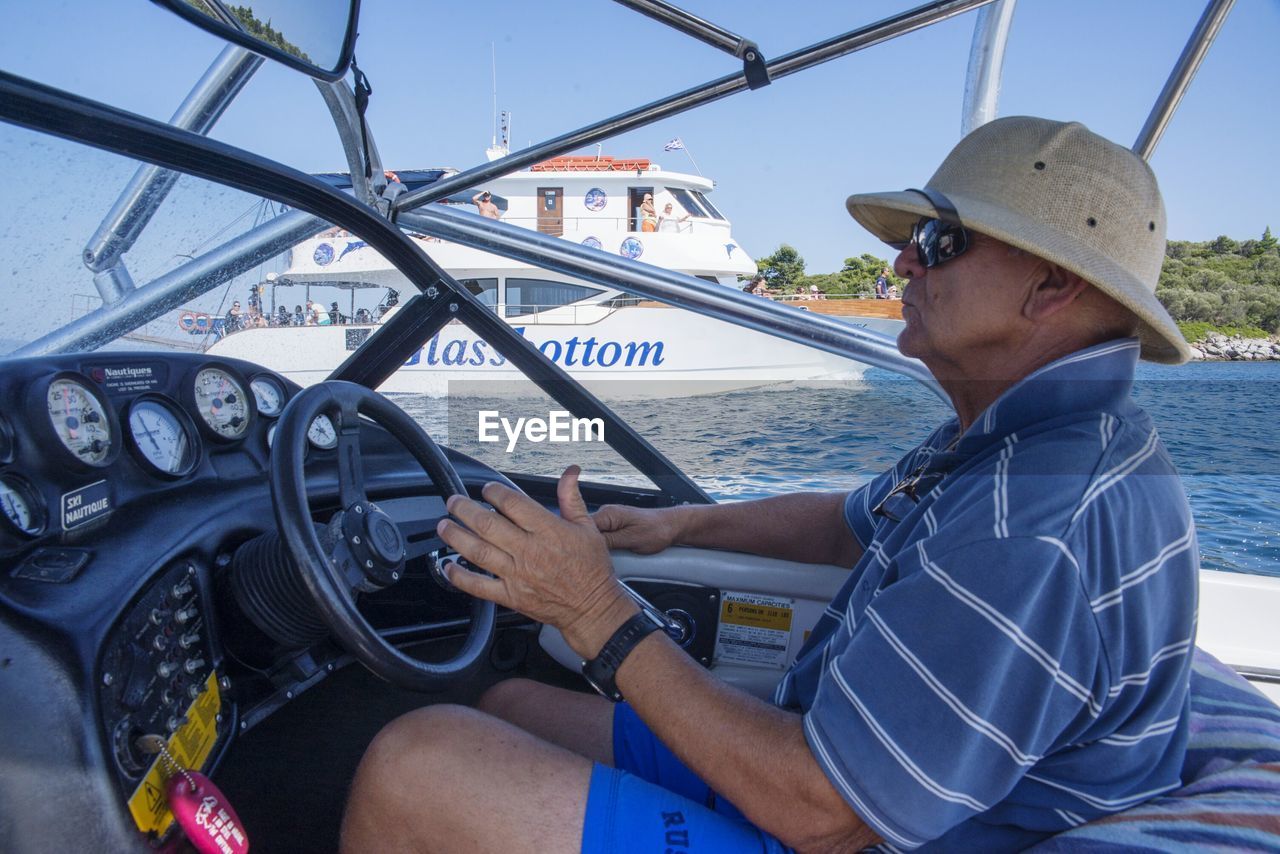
(485,290)
(706,203)
(686,201)
(530,296)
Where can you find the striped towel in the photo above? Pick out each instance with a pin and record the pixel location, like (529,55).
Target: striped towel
(1231,796)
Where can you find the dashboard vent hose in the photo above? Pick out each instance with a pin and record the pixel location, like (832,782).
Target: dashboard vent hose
(268,590)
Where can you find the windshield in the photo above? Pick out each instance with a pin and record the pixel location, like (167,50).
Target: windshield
(50,288)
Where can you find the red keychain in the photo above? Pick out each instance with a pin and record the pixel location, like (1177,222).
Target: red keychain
(205,815)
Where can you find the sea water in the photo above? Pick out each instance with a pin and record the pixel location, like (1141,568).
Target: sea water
(1218,421)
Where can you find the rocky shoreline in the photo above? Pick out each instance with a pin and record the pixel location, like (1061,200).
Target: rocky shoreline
(1216,347)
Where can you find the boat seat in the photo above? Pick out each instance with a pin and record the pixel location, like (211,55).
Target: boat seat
(1230,798)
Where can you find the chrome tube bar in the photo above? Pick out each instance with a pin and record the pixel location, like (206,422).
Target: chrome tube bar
(689,24)
(986,65)
(1180,78)
(176,287)
(850,42)
(677,289)
(216,89)
(342,106)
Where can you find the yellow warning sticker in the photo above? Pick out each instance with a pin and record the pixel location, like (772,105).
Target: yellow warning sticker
(754,629)
(190,746)
(761,616)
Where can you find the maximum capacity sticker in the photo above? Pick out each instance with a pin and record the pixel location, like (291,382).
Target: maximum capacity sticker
(754,629)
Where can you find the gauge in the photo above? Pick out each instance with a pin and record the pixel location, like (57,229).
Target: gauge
(80,420)
(162,436)
(321,433)
(268,394)
(222,403)
(7,441)
(20,506)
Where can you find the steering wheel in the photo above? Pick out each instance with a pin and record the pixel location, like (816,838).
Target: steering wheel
(364,549)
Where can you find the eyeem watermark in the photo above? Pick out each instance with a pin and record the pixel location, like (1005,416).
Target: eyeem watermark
(559,426)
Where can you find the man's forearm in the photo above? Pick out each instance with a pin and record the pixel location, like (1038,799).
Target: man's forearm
(807,527)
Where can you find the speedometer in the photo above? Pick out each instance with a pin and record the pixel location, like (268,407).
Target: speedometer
(221,402)
(80,421)
(161,436)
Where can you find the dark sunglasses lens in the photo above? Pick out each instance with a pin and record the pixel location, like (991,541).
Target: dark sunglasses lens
(926,240)
(937,242)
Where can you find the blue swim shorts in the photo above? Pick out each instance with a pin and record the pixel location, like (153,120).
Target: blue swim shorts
(651,803)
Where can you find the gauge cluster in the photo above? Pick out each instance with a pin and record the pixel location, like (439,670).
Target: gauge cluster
(80,438)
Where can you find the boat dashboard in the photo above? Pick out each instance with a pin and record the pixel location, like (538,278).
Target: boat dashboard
(132,486)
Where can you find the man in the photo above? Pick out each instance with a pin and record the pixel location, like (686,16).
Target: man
(1009,656)
(882,284)
(668,220)
(484,204)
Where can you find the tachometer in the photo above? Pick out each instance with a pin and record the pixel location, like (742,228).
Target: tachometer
(20,506)
(162,437)
(80,421)
(221,401)
(268,394)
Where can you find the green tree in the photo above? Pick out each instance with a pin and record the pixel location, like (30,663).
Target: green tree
(1267,245)
(784,269)
(1223,245)
(1221,284)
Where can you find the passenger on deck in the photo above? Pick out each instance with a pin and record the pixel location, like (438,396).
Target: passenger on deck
(299,319)
(282,316)
(335,316)
(668,221)
(648,215)
(1009,656)
(484,204)
(235,321)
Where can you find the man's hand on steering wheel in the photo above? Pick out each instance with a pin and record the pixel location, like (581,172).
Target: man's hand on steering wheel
(554,569)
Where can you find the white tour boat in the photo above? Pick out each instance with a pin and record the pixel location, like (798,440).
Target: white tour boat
(617,344)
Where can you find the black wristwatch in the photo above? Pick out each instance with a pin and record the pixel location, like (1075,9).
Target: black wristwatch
(602,671)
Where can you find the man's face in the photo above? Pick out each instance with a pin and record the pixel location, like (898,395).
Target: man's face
(963,311)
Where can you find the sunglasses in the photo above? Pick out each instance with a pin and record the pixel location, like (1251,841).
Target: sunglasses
(937,242)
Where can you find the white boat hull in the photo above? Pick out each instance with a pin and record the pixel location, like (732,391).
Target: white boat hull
(623,353)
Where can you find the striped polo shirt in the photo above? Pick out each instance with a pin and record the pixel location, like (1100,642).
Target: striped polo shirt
(1010,656)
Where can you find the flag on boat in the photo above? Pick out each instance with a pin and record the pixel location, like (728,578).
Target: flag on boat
(676,144)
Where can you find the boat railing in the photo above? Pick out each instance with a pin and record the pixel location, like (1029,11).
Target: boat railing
(821,295)
(608,224)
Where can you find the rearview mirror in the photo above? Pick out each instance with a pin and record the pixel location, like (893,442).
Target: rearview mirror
(316,37)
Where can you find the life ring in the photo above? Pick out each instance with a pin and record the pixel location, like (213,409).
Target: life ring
(187,321)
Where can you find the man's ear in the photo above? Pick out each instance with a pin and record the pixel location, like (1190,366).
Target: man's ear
(1057,290)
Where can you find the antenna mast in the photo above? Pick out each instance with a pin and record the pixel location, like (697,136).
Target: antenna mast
(498,149)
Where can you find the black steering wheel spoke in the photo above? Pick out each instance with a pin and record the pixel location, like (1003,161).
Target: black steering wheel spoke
(365,549)
(350,463)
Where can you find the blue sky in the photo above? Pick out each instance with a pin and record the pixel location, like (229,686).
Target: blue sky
(784,157)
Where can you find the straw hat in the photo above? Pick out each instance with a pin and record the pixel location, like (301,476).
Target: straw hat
(1061,192)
